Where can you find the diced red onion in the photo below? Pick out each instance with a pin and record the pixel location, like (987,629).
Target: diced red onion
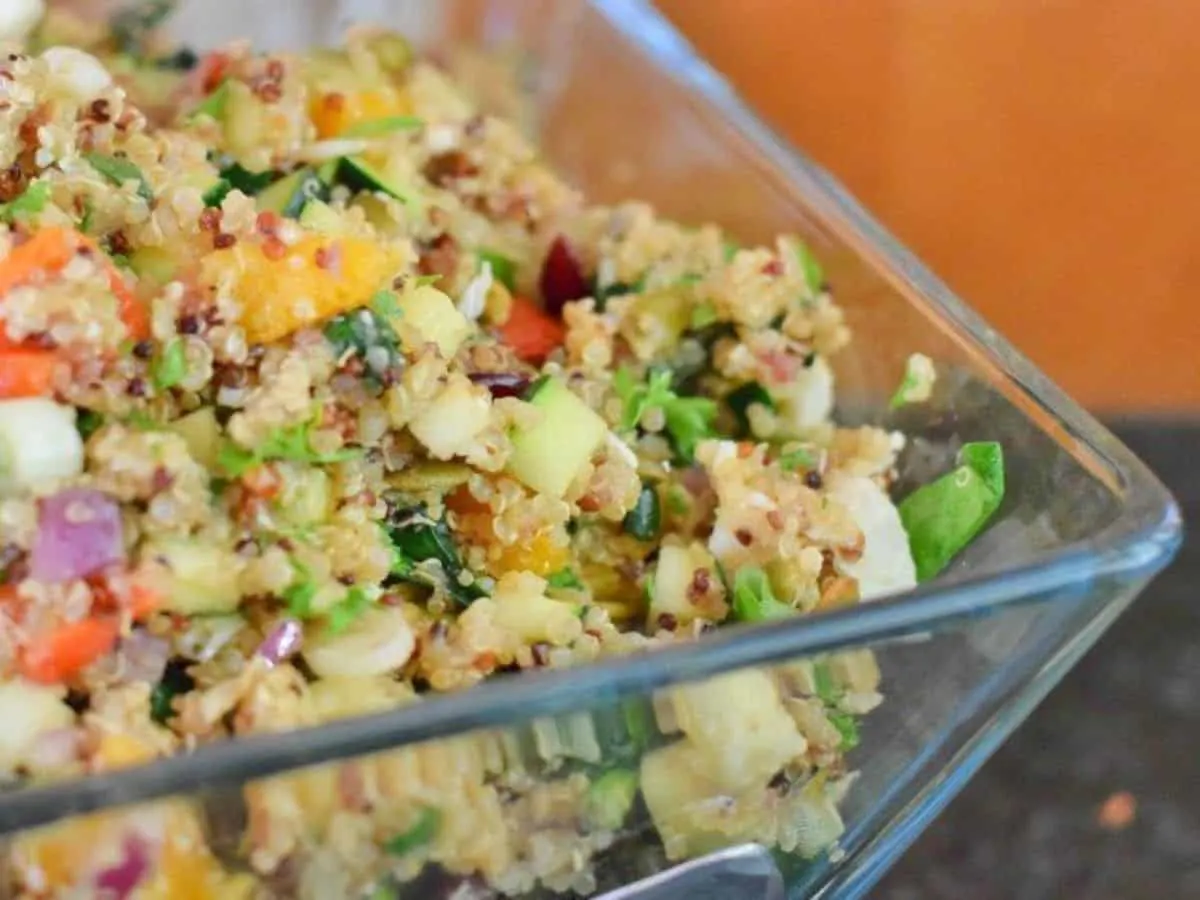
(562,279)
(143,657)
(57,748)
(502,384)
(79,532)
(120,881)
(282,641)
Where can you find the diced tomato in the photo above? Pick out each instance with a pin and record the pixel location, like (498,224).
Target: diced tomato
(532,333)
(55,657)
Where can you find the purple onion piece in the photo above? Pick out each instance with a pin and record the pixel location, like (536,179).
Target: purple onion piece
(120,881)
(143,657)
(283,640)
(502,384)
(562,279)
(79,533)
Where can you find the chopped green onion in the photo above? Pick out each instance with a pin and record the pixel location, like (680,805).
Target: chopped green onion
(565,579)
(753,599)
(942,517)
(422,832)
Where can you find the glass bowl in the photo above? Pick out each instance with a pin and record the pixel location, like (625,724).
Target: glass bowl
(622,104)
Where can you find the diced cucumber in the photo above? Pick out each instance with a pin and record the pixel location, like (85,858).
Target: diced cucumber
(359,175)
(201,433)
(321,217)
(246,120)
(433,317)
(38,443)
(610,798)
(291,194)
(548,455)
(198,578)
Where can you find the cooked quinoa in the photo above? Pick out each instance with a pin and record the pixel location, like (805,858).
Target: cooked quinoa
(320,394)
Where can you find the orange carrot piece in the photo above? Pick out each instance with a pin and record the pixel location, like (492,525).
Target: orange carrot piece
(26,372)
(532,333)
(49,250)
(55,657)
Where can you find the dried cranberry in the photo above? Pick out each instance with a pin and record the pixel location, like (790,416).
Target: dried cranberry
(562,279)
(502,384)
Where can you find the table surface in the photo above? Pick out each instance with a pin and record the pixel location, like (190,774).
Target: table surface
(1126,719)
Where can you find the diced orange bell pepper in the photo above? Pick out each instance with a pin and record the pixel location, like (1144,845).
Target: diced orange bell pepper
(26,372)
(55,657)
(531,332)
(335,113)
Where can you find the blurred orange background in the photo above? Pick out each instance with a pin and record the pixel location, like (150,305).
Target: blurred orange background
(1041,157)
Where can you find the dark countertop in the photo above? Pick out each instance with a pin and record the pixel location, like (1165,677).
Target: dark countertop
(1126,719)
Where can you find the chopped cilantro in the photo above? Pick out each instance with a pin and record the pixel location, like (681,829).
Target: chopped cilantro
(753,599)
(424,830)
(565,579)
(33,200)
(171,367)
(356,602)
(118,171)
(689,419)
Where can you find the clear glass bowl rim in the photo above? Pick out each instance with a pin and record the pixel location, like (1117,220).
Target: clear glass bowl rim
(1140,540)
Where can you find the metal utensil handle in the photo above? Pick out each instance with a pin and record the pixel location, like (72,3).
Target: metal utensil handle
(740,873)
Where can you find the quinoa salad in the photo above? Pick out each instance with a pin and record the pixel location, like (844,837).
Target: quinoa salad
(322,394)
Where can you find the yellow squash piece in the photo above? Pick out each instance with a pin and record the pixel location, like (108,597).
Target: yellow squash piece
(282,295)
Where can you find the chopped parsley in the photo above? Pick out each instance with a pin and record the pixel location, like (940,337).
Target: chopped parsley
(291,444)
(119,171)
(689,420)
(171,367)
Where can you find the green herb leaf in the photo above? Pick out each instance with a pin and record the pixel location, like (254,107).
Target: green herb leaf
(504,270)
(175,681)
(847,727)
(342,614)
(814,275)
(417,538)
(119,171)
(300,593)
(689,420)
(291,444)
(565,579)
(753,599)
(171,367)
(216,194)
(729,249)
(679,501)
(32,201)
(610,798)
(942,517)
(384,126)
(645,519)
(142,421)
(422,832)
(801,458)
(88,422)
(824,684)
(703,315)
(741,398)
(919,376)
(385,306)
